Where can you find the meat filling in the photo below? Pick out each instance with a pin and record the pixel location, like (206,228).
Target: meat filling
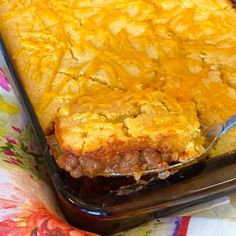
(130,163)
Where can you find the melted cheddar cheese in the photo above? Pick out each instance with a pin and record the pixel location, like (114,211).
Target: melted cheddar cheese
(129,117)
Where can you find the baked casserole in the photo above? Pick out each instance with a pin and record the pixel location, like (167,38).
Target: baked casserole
(124,86)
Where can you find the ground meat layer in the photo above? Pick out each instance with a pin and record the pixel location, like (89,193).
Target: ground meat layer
(130,162)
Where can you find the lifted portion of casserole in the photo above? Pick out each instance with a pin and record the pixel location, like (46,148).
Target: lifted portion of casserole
(124,132)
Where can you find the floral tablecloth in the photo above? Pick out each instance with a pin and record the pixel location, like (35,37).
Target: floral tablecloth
(27,202)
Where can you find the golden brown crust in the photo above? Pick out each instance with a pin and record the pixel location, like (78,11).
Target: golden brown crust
(54,62)
(115,121)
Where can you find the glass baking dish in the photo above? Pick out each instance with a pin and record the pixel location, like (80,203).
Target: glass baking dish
(101,205)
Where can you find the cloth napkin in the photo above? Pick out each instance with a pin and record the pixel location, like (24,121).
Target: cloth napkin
(27,202)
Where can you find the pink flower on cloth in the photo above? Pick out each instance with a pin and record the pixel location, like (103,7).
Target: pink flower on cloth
(13,160)
(16,129)
(4,82)
(8,152)
(22,214)
(11,140)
